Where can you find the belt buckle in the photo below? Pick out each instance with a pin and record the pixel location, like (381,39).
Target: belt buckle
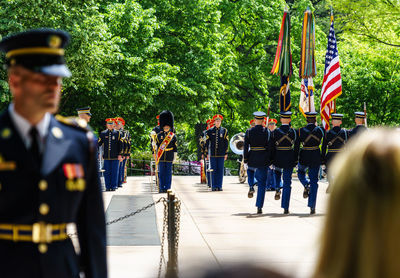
(41,232)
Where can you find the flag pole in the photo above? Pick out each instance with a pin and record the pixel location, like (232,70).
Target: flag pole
(365,114)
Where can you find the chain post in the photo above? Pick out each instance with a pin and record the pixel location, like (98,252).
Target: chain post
(172,262)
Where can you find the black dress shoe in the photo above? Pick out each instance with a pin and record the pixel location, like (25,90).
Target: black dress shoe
(312,210)
(219,189)
(251,192)
(306,192)
(213,189)
(259,210)
(277,195)
(286,211)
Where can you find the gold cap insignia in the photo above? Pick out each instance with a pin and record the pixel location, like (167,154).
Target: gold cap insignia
(6,133)
(57,132)
(54,41)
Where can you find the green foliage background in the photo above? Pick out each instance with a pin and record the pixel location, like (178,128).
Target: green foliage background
(200,57)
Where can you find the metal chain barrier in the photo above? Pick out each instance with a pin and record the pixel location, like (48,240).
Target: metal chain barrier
(171,228)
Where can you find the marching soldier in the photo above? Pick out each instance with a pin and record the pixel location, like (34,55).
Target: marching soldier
(360,124)
(166,150)
(48,169)
(217,142)
(334,140)
(257,154)
(251,171)
(84,113)
(112,154)
(286,153)
(310,138)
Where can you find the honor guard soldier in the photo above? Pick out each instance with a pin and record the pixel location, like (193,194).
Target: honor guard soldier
(84,113)
(166,150)
(251,171)
(208,163)
(310,138)
(217,143)
(48,169)
(285,157)
(334,140)
(257,154)
(360,124)
(125,139)
(156,130)
(202,144)
(112,154)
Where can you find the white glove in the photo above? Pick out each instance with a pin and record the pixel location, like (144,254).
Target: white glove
(245,166)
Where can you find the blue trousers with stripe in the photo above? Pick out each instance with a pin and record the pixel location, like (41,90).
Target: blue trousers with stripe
(261,176)
(251,176)
(121,172)
(312,182)
(165,175)
(217,164)
(287,185)
(111,168)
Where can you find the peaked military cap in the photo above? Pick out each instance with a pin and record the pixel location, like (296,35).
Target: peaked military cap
(311,114)
(217,116)
(84,110)
(167,118)
(259,115)
(360,115)
(286,114)
(336,116)
(272,121)
(39,50)
(109,120)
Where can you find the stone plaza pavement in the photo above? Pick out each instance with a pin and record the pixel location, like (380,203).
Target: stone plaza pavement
(222,228)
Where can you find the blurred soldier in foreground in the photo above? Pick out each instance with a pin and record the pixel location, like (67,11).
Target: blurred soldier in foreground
(48,170)
(310,138)
(363,210)
(112,154)
(217,142)
(257,154)
(285,157)
(84,113)
(166,150)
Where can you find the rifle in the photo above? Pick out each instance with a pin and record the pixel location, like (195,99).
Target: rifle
(365,113)
(268,109)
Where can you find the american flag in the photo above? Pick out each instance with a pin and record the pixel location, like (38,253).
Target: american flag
(332,83)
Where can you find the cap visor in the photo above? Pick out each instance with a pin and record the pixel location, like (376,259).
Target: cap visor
(56,70)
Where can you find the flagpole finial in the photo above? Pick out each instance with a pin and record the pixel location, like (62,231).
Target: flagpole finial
(286,8)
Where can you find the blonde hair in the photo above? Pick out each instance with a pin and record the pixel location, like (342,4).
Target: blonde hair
(361,237)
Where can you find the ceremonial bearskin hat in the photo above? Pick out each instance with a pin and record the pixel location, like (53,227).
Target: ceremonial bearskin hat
(167,118)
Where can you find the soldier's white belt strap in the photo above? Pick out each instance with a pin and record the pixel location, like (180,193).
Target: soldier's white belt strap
(334,150)
(284,148)
(257,149)
(40,232)
(311,148)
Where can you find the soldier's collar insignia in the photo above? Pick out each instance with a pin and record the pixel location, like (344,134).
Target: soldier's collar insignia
(6,133)
(57,132)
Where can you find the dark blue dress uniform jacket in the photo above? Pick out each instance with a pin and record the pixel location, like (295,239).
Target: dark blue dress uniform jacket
(357,130)
(171,148)
(310,137)
(113,145)
(258,147)
(217,141)
(334,141)
(21,197)
(286,150)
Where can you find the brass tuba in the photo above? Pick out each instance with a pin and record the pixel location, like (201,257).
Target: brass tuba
(237,143)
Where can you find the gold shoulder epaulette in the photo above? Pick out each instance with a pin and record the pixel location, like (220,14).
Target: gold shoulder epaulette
(73,122)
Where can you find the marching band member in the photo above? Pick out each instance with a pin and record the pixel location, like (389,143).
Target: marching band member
(217,142)
(166,150)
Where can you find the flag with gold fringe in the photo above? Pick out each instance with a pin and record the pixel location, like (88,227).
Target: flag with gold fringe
(308,68)
(283,62)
